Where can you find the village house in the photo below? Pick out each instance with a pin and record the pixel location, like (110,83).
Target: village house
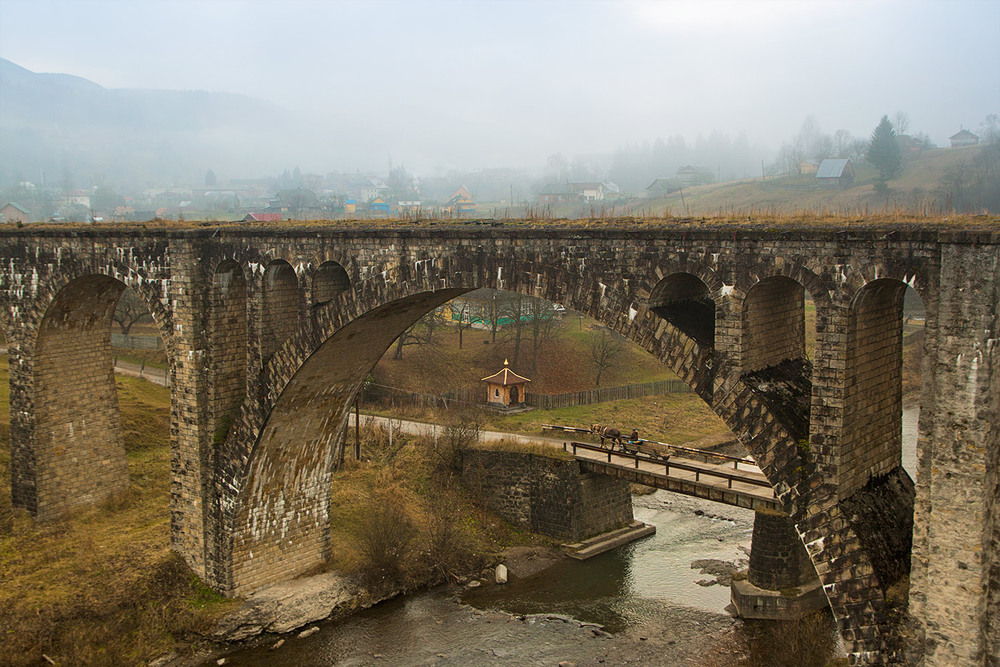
(691,175)
(554,193)
(588,191)
(373,188)
(262,217)
(835,172)
(809,166)
(78,198)
(662,187)
(14,213)
(460,203)
(379,205)
(963,138)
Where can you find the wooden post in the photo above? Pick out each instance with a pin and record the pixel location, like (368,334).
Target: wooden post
(357,431)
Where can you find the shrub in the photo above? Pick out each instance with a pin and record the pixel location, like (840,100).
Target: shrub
(383,536)
(460,434)
(450,549)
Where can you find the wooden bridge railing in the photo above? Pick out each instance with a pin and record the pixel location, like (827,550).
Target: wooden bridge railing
(742,476)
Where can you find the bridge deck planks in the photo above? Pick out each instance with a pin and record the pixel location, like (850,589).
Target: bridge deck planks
(718,482)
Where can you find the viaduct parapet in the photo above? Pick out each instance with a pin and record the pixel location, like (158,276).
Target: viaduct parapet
(270,333)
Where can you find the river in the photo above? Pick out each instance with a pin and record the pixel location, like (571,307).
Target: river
(655,607)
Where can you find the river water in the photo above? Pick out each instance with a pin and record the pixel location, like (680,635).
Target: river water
(655,607)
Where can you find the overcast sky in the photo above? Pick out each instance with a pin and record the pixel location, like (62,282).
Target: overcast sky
(476,84)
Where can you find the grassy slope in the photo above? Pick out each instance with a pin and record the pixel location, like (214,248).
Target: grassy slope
(101,587)
(922,174)
(564,366)
(563,363)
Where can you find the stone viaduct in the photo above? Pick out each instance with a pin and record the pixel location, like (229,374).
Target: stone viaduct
(270,333)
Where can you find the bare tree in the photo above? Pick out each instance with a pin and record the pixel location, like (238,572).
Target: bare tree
(842,141)
(420,332)
(464,321)
(990,129)
(605,346)
(514,307)
(431,322)
(493,310)
(901,122)
(130,311)
(543,320)
(408,337)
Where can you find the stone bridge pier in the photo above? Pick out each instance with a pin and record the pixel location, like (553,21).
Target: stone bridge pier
(270,334)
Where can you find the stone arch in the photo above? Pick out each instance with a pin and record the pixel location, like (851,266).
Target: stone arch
(74,446)
(329,280)
(279,307)
(685,301)
(870,443)
(266,528)
(302,374)
(772,350)
(291,467)
(773,323)
(81,295)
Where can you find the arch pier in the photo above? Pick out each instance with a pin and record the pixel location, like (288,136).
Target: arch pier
(270,334)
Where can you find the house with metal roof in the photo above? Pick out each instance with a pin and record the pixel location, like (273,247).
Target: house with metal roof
(12,212)
(835,171)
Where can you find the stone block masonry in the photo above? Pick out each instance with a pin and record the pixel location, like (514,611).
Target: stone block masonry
(545,495)
(275,330)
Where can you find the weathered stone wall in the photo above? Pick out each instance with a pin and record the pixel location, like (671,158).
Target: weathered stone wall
(280,316)
(264,489)
(228,344)
(331,279)
(954,581)
(547,495)
(79,454)
(881,514)
(774,328)
(871,442)
(777,558)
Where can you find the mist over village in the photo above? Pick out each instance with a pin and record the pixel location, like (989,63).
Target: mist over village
(562,111)
(500,333)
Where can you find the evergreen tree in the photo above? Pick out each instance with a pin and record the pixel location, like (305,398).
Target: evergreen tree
(883,151)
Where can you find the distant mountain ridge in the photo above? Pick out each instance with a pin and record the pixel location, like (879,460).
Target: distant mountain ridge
(72,127)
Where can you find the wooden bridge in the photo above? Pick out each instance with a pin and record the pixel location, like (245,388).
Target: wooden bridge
(726,479)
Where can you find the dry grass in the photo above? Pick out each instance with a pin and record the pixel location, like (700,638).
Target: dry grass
(808,642)
(446,532)
(102,587)
(858,210)
(441,366)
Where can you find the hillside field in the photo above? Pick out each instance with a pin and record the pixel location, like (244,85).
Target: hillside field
(915,190)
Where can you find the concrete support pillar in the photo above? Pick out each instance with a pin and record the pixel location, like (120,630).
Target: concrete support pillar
(781,582)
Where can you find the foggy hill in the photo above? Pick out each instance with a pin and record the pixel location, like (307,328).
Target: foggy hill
(76,130)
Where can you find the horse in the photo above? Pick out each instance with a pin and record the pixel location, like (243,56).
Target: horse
(608,432)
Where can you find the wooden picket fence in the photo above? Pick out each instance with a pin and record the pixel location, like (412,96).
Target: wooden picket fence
(466,397)
(606,394)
